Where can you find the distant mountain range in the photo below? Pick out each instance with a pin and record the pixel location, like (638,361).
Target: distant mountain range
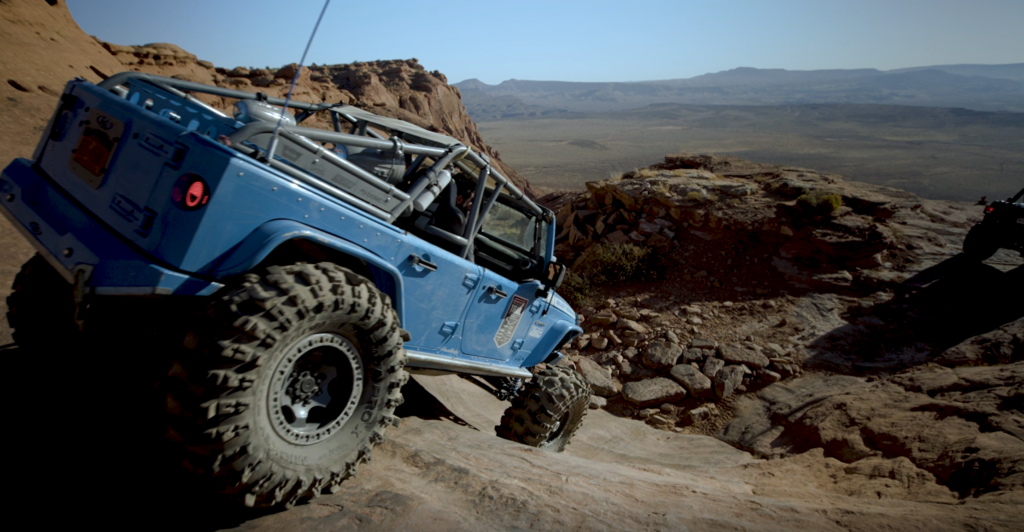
(979,87)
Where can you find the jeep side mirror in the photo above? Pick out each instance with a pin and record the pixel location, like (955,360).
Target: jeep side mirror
(554,274)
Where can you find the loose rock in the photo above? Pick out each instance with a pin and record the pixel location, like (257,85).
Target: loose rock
(703,343)
(712,366)
(631,325)
(696,383)
(742,355)
(661,356)
(699,414)
(601,382)
(652,392)
(728,380)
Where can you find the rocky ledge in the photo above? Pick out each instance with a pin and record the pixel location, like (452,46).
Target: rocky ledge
(798,311)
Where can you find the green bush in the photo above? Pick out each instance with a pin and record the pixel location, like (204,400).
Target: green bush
(816,203)
(608,263)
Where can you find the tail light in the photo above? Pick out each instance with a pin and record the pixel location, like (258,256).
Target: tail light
(190,192)
(989,209)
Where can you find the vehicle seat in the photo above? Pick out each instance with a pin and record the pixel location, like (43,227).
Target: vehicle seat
(448,216)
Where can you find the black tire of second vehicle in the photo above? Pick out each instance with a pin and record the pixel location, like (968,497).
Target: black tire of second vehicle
(548,410)
(979,244)
(218,390)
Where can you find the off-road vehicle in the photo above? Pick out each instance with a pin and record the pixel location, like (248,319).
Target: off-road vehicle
(328,264)
(1002,227)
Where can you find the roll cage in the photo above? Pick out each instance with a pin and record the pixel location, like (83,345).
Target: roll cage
(302,153)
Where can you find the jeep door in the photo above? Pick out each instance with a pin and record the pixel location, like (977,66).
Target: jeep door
(503,319)
(438,287)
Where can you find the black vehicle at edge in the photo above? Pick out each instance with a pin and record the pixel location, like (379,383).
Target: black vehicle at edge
(1002,227)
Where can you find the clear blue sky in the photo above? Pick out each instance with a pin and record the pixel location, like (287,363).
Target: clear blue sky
(593,40)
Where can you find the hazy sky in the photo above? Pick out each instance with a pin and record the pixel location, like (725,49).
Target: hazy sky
(594,40)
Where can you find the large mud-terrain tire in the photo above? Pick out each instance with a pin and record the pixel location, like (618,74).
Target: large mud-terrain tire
(41,307)
(979,244)
(290,385)
(548,410)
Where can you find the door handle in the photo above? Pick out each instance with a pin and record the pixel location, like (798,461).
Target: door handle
(418,261)
(495,291)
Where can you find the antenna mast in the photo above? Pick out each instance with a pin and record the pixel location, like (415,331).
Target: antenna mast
(273,140)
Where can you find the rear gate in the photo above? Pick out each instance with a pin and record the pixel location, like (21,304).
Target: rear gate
(130,167)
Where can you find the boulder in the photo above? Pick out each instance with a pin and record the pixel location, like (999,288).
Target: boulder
(652,392)
(735,354)
(703,343)
(696,383)
(728,380)
(631,325)
(601,382)
(628,313)
(712,366)
(661,355)
(693,355)
(604,318)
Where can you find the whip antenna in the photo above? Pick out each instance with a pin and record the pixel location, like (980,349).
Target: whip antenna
(273,140)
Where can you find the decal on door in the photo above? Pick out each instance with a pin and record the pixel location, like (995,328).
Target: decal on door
(511,321)
(536,331)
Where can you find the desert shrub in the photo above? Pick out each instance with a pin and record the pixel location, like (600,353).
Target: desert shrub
(819,204)
(608,263)
(576,289)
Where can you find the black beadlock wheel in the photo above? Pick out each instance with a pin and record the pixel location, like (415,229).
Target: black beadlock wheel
(41,307)
(548,410)
(979,243)
(285,391)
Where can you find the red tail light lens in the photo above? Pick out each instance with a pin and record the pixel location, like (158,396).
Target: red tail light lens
(989,209)
(190,192)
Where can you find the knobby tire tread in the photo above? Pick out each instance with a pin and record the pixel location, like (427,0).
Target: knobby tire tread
(541,403)
(210,411)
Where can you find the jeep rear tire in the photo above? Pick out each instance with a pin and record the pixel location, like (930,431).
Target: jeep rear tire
(291,383)
(548,410)
(41,308)
(979,243)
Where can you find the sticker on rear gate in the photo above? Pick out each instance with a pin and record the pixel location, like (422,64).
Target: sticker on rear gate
(511,321)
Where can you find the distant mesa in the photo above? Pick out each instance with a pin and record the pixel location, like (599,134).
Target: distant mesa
(977,87)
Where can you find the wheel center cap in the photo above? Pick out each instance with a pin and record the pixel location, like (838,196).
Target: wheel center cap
(307,385)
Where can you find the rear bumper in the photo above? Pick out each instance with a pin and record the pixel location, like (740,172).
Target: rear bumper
(76,244)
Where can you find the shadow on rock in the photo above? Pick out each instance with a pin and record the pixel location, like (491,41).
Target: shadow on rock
(93,448)
(933,311)
(95,452)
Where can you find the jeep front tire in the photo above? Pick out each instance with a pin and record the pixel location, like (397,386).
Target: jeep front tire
(548,410)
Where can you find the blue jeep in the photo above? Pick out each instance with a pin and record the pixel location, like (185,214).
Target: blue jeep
(329,264)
